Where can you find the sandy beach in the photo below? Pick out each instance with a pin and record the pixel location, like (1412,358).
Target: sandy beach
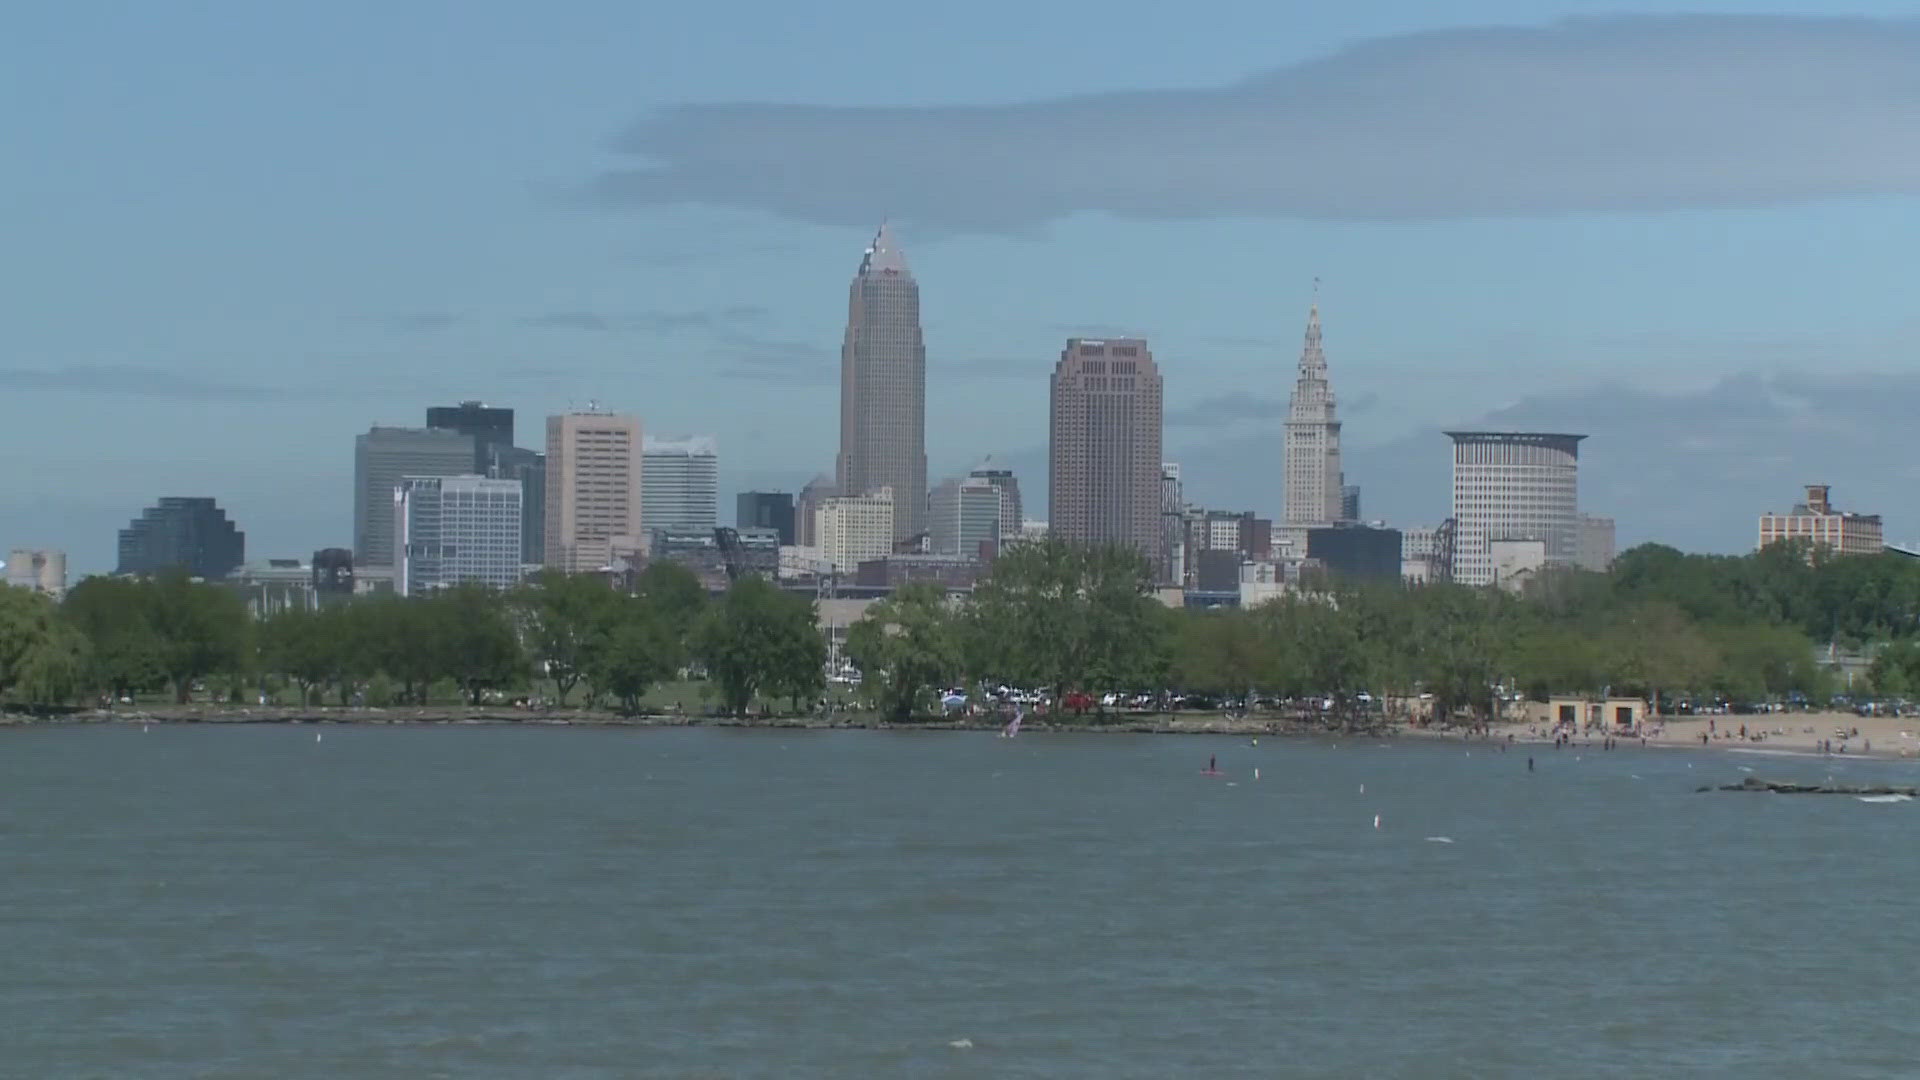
(1797,733)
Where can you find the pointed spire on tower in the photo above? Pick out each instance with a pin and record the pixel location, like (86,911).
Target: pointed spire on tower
(884,255)
(1313,362)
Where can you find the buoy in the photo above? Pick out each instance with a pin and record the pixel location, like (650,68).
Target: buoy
(1376,821)
(1363,789)
(1256,772)
(316,736)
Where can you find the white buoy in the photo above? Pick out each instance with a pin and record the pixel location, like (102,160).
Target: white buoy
(1376,821)
(143,729)
(316,736)
(1256,773)
(1363,789)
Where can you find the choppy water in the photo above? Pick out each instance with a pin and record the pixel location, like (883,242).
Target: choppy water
(495,902)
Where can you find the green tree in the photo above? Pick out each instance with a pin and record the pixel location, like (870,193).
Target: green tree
(907,648)
(309,647)
(203,630)
(42,658)
(759,638)
(1067,617)
(1896,670)
(673,592)
(1654,648)
(400,637)
(631,648)
(475,643)
(116,616)
(561,613)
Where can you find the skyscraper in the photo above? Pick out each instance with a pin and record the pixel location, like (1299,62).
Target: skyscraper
(1513,485)
(491,429)
(680,483)
(1312,449)
(451,529)
(883,387)
(767,510)
(380,458)
(1104,446)
(962,514)
(593,490)
(191,534)
(530,468)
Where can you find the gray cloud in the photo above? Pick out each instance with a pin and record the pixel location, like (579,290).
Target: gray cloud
(133,381)
(774,361)
(419,322)
(659,322)
(1225,409)
(570,320)
(1616,113)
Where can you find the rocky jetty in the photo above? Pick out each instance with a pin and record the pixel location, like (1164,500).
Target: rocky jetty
(1782,787)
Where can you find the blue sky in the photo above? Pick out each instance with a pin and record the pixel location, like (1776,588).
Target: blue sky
(240,233)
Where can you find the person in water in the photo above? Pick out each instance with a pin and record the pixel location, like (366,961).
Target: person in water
(1211,766)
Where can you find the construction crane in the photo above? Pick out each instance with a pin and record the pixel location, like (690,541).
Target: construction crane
(728,541)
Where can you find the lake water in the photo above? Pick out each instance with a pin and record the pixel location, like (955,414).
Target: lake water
(509,902)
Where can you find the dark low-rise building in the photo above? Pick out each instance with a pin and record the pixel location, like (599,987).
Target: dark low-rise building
(1217,571)
(191,534)
(947,571)
(1360,551)
(767,510)
(333,572)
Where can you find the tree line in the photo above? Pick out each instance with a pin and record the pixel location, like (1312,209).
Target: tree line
(570,637)
(1070,622)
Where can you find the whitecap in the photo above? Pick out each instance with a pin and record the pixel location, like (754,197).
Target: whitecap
(1885,798)
(961,1044)
(1439,839)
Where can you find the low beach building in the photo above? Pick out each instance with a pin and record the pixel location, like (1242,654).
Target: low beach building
(1588,713)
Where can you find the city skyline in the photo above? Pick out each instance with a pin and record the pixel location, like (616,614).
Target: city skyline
(571,238)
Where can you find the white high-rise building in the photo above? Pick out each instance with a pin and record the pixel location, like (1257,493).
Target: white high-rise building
(1513,485)
(962,514)
(1313,475)
(680,483)
(453,529)
(853,528)
(41,569)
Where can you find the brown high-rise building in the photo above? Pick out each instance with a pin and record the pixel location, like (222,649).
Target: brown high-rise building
(883,388)
(593,490)
(1104,452)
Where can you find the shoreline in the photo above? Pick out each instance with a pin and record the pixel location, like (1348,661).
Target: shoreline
(1787,735)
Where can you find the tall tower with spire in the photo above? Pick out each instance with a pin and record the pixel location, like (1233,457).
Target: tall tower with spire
(1313,472)
(883,387)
